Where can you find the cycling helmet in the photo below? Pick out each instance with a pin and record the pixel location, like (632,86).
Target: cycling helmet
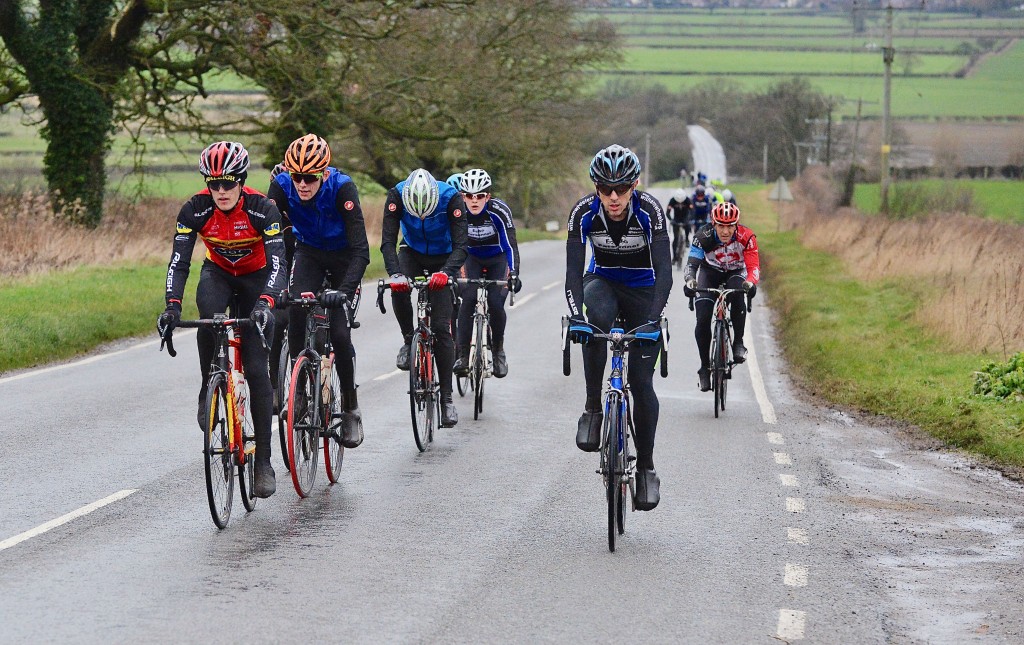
(309,154)
(725,213)
(614,165)
(277,170)
(727,195)
(420,193)
(455,181)
(700,190)
(224,159)
(679,195)
(476,181)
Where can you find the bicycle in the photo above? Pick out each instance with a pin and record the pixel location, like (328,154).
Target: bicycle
(617,462)
(315,399)
(721,344)
(680,241)
(229,442)
(424,386)
(481,362)
(284,377)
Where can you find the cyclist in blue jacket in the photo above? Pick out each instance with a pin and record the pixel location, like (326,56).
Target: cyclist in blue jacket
(630,274)
(492,250)
(432,218)
(330,242)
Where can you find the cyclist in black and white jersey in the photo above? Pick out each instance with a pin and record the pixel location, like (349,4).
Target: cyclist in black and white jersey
(492,250)
(630,274)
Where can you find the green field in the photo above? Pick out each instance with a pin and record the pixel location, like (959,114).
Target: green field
(737,62)
(701,41)
(995,199)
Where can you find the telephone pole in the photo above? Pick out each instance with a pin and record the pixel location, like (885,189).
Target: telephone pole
(888,54)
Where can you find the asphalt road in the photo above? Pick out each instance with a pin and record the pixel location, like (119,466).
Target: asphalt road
(708,156)
(780,520)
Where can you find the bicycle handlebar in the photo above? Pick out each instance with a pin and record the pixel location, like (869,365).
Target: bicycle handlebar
(217,321)
(622,337)
(308,299)
(487,282)
(722,292)
(415,282)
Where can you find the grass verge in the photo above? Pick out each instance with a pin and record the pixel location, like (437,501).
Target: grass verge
(854,344)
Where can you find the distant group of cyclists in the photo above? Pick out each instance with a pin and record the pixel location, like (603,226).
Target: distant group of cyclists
(307,234)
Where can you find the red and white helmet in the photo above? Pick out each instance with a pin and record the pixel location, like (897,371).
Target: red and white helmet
(725,213)
(224,159)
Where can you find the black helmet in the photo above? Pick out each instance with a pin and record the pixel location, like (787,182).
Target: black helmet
(615,165)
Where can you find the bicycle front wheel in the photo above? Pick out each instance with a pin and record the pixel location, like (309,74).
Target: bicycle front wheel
(218,460)
(720,362)
(479,372)
(284,380)
(613,466)
(334,452)
(423,402)
(303,426)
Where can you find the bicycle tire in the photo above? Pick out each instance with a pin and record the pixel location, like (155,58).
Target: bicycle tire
(462,384)
(613,480)
(479,367)
(246,453)
(284,379)
(422,403)
(219,463)
(726,364)
(334,452)
(718,367)
(304,431)
(625,492)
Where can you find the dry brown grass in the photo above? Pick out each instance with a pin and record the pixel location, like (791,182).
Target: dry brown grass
(976,264)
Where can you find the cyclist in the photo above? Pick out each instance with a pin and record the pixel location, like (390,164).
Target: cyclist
(725,254)
(728,196)
(330,243)
(630,274)
(492,250)
(702,179)
(679,214)
(280,315)
(244,268)
(454,180)
(701,210)
(430,214)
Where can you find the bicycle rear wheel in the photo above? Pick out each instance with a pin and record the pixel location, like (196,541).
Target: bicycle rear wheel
(246,452)
(303,426)
(423,404)
(218,460)
(284,380)
(613,479)
(334,452)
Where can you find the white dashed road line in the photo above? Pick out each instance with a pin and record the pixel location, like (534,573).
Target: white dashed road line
(551,286)
(791,625)
(797,536)
(795,505)
(775,438)
(789,480)
(64,519)
(795,576)
(388,375)
(782,458)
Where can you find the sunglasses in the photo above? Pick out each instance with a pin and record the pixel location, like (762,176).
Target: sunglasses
(475,195)
(618,189)
(221,184)
(306,178)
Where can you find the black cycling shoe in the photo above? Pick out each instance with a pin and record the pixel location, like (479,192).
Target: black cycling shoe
(351,428)
(648,489)
(402,362)
(264,480)
(461,367)
(739,352)
(588,430)
(500,364)
(449,415)
(704,374)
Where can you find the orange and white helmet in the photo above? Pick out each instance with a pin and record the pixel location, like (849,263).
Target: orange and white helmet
(308,154)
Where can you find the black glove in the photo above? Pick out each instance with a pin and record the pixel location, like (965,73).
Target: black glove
(169,319)
(690,288)
(750,288)
(580,331)
(517,284)
(649,332)
(261,315)
(333,299)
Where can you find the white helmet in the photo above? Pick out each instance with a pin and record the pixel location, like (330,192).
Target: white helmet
(420,193)
(476,180)
(726,194)
(679,195)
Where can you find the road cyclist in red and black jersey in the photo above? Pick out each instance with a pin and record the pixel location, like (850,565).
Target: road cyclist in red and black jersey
(280,315)
(492,249)
(723,253)
(629,275)
(244,269)
(431,216)
(322,204)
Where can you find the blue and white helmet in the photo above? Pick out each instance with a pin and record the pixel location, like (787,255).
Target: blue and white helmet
(476,181)
(420,194)
(454,180)
(614,165)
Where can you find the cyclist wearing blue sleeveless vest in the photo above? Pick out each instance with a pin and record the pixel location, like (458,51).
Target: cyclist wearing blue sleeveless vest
(432,218)
(701,205)
(492,250)
(630,274)
(330,241)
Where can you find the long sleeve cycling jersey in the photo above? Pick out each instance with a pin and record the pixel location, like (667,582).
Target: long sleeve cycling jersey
(636,252)
(241,241)
(331,221)
(443,232)
(492,231)
(738,254)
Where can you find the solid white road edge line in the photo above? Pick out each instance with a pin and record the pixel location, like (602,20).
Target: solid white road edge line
(64,519)
(388,375)
(767,410)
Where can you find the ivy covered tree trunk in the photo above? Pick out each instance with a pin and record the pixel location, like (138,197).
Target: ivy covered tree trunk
(79,123)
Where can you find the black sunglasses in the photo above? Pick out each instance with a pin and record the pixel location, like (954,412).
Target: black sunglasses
(221,184)
(618,189)
(475,195)
(306,178)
